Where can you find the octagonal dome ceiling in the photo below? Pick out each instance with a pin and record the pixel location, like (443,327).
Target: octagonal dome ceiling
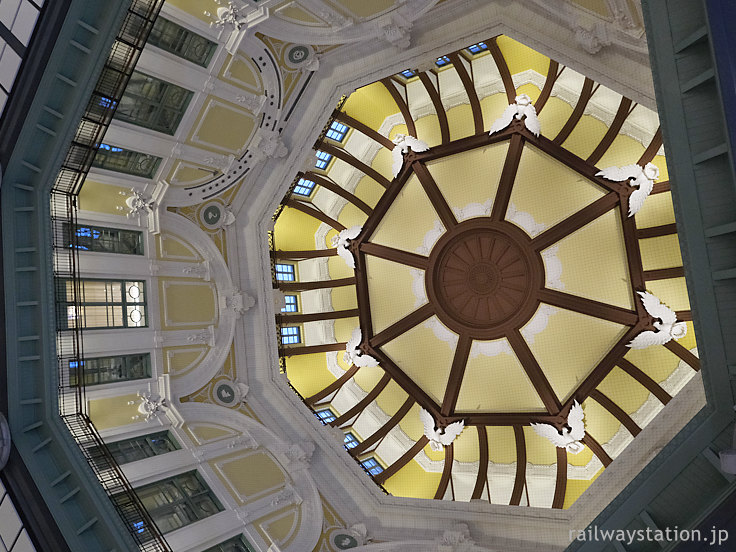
(495,279)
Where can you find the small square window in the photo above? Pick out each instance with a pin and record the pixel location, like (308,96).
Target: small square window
(291,304)
(408,73)
(442,61)
(337,131)
(325,416)
(304,187)
(478,48)
(372,466)
(323,159)
(351,441)
(285,272)
(290,335)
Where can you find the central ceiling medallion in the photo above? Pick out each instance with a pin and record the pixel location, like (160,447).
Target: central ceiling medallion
(483,277)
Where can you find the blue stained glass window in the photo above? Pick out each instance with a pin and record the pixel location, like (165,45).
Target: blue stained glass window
(138,526)
(372,466)
(325,416)
(285,272)
(107,102)
(478,48)
(291,304)
(290,335)
(323,159)
(351,441)
(442,61)
(304,187)
(337,131)
(408,73)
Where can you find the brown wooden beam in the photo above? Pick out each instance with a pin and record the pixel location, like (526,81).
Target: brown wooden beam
(396,255)
(633,256)
(652,386)
(363,296)
(457,371)
(664,273)
(334,386)
(482,480)
(438,106)
(468,143)
(661,187)
(305,254)
(652,148)
(435,196)
(401,104)
(354,162)
(286,351)
(508,175)
(685,315)
(503,69)
(597,450)
(520,479)
(505,419)
(446,472)
(340,191)
(685,355)
(300,318)
(588,306)
(402,326)
(403,461)
(470,90)
(561,483)
(534,371)
(319,284)
(585,94)
(624,110)
(656,231)
(618,412)
(552,76)
(384,429)
(314,212)
(364,129)
(384,203)
(358,407)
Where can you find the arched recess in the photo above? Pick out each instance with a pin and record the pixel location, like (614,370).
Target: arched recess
(293,459)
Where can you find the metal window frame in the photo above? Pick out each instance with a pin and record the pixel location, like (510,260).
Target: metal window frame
(74,242)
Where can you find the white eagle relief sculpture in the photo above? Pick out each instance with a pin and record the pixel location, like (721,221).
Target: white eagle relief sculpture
(667,325)
(522,108)
(439,438)
(353,354)
(643,177)
(342,241)
(569,438)
(402,144)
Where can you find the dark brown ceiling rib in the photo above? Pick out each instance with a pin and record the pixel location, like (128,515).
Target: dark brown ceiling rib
(467,81)
(656,231)
(661,187)
(482,480)
(685,316)
(652,149)
(446,472)
(561,484)
(624,110)
(403,461)
(334,386)
(664,273)
(438,106)
(300,318)
(339,190)
(363,296)
(633,255)
(322,284)
(384,429)
(685,355)
(354,162)
(365,129)
(457,371)
(619,413)
(306,254)
(520,479)
(364,402)
(396,255)
(402,326)
(597,450)
(588,306)
(653,387)
(577,112)
(435,196)
(508,175)
(503,69)
(534,371)
(383,205)
(403,108)
(549,83)
(505,418)
(309,349)
(316,213)
(466,144)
